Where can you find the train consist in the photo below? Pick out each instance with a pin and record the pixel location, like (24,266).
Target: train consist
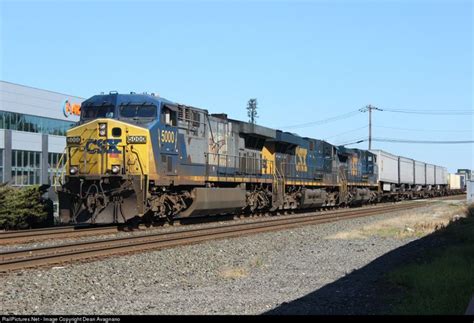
(141,156)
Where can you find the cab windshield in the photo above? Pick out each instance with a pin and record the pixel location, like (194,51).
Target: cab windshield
(95,111)
(138,112)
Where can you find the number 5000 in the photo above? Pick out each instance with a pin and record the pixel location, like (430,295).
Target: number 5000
(167,136)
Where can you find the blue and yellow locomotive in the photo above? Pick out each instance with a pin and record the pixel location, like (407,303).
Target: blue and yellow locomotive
(138,155)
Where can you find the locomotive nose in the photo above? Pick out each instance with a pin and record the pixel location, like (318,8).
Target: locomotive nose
(106,147)
(96,148)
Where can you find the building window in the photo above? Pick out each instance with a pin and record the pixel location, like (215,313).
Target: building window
(24,122)
(26,168)
(1,165)
(55,165)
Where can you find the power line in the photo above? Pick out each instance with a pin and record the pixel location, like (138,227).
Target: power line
(422,130)
(349,131)
(353,141)
(432,112)
(409,141)
(369,108)
(318,122)
(406,141)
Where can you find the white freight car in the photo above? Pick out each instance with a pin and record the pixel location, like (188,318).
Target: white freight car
(440,175)
(387,167)
(455,181)
(420,173)
(406,170)
(430,174)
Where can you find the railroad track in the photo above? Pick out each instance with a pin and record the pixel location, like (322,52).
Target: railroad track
(80,251)
(34,235)
(24,236)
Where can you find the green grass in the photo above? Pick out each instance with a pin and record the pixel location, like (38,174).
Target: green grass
(443,283)
(388,232)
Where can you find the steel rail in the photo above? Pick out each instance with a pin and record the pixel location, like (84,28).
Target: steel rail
(44,256)
(24,236)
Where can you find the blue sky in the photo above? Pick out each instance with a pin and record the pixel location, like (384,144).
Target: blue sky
(303,61)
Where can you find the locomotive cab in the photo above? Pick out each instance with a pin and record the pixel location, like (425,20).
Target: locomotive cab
(110,158)
(111,138)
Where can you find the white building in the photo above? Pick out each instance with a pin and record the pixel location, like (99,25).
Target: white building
(470,191)
(33,124)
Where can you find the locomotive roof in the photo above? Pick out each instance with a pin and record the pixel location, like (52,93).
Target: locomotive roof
(117,99)
(134,98)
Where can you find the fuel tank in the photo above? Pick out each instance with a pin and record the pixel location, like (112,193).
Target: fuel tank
(313,198)
(211,201)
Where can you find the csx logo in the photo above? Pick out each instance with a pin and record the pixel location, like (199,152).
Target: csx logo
(101,146)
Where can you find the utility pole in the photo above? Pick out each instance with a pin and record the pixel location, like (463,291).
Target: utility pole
(252,110)
(365,109)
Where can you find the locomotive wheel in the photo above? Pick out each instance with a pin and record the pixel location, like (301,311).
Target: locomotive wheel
(132,224)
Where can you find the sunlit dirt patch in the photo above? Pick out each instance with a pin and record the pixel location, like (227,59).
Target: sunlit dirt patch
(408,224)
(233,272)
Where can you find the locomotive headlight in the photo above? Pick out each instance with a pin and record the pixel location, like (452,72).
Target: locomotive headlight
(136,139)
(73,140)
(73,170)
(115,169)
(102,129)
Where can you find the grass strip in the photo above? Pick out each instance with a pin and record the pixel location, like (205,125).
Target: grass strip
(443,281)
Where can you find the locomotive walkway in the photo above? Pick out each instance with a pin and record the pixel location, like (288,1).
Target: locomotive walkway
(81,251)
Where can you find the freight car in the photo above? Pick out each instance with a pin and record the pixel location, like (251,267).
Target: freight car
(400,177)
(142,156)
(457,182)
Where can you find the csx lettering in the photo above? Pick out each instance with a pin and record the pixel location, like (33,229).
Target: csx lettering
(167,136)
(354,165)
(101,146)
(301,154)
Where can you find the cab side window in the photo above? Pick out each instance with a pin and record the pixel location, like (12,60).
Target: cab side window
(168,116)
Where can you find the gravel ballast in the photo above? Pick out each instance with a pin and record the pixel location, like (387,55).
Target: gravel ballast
(297,271)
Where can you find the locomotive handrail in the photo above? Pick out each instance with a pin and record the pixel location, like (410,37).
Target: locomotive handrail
(288,170)
(251,166)
(56,178)
(142,174)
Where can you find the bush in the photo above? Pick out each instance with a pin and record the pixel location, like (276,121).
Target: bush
(22,208)
(470,210)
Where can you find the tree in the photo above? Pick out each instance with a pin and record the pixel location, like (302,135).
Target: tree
(252,110)
(24,207)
